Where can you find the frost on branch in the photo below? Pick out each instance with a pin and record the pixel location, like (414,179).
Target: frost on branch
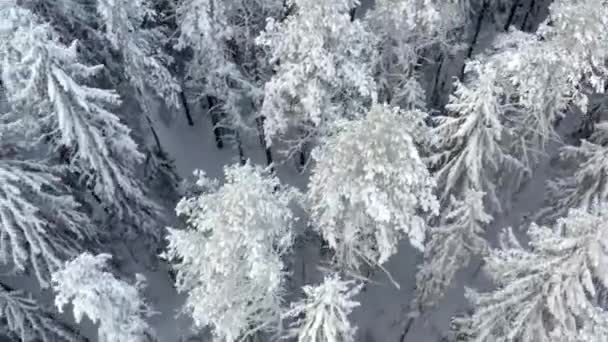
(469,148)
(549,291)
(323,72)
(26,321)
(229,260)
(370,188)
(40,223)
(115,305)
(323,314)
(44,78)
(458,237)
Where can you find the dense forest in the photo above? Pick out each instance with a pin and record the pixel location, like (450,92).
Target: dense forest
(303,170)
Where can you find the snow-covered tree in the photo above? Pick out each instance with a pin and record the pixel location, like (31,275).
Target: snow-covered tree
(44,78)
(322,315)
(406,31)
(585,181)
(227,67)
(40,223)
(323,70)
(229,260)
(470,147)
(126,23)
(93,291)
(27,321)
(451,244)
(369,187)
(547,292)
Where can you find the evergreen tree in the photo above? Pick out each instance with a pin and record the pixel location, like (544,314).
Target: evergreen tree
(323,71)
(370,187)
(94,292)
(229,260)
(547,292)
(323,314)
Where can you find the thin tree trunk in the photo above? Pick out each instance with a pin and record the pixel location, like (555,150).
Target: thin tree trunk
(215,120)
(511,14)
(352,13)
(439,61)
(159,147)
(239,147)
(478,25)
(407,328)
(186,108)
(527,16)
(262,136)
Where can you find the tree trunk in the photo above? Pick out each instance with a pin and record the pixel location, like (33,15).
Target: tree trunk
(215,120)
(480,18)
(186,108)
(511,14)
(262,136)
(439,61)
(239,147)
(527,16)
(159,147)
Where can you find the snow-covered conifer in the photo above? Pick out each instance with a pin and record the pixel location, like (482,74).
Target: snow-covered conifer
(26,321)
(585,181)
(115,305)
(229,260)
(370,188)
(141,47)
(549,291)
(323,314)
(451,244)
(469,149)
(40,223)
(323,70)
(44,78)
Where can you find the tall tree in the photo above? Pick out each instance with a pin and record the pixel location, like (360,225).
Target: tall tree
(323,71)
(115,305)
(44,78)
(229,260)
(369,187)
(549,291)
(323,314)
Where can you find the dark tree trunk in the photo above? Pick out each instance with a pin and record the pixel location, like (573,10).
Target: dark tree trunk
(511,14)
(439,61)
(186,108)
(480,18)
(159,147)
(215,120)
(524,24)
(239,147)
(262,136)
(352,13)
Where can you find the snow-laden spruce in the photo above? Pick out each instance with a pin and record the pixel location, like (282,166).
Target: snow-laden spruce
(25,320)
(40,223)
(323,73)
(369,187)
(547,292)
(451,244)
(127,25)
(117,306)
(586,178)
(469,152)
(44,78)
(229,260)
(322,315)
